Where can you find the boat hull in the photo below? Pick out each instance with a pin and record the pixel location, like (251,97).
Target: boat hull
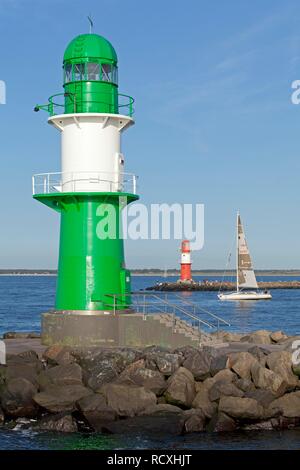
(245,295)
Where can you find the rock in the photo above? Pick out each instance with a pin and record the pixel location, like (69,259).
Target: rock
(26,365)
(56,399)
(2,418)
(133,367)
(245,385)
(265,378)
(198,386)
(281,422)
(258,337)
(26,359)
(296,369)
(193,421)
(219,363)
(58,423)
(288,405)
(263,397)
(20,335)
(161,400)
(241,408)
(161,407)
(181,388)
(277,336)
(157,425)
(98,376)
(128,356)
(28,356)
(34,335)
(10,335)
(218,333)
(58,355)
(223,387)
(199,364)
(259,354)
(128,400)
(3,372)
(210,351)
(17,398)
(126,376)
(203,402)
(225,374)
(20,424)
(15,371)
(280,362)
(101,366)
(266,425)
(185,351)
(96,411)
(290,344)
(231,337)
(117,359)
(156,350)
(221,422)
(150,379)
(241,364)
(165,362)
(227,337)
(67,374)
(96,403)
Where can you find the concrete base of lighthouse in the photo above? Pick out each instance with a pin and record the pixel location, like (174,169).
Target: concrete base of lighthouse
(112,330)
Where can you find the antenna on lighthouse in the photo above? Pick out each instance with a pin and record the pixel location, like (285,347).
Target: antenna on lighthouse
(91,23)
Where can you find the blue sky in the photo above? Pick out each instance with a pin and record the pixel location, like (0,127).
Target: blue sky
(214,120)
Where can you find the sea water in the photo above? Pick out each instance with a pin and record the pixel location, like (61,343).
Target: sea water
(24,298)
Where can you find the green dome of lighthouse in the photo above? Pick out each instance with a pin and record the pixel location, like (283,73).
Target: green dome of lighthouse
(87,46)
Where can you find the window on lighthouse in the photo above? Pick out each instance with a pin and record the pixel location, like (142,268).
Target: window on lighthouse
(93,71)
(106,72)
(78,70)
(68,73)
(109,73)
(115,75)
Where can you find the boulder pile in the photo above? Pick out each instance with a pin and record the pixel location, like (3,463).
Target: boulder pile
(154,390)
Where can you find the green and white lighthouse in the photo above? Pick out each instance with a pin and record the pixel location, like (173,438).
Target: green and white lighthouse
(92,187)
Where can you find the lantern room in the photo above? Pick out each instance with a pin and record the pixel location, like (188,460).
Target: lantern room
(90,75)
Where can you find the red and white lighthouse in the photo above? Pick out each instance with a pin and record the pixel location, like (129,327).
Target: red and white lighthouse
(185,265)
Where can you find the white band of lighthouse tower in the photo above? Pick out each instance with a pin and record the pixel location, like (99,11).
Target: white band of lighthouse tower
(186,258)
(91,158)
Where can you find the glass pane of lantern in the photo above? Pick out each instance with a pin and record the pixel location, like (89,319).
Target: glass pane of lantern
(78,71)
(106,72)
(68,73)
(93,71)
(115,74)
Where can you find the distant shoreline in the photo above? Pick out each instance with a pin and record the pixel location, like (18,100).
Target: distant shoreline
(160,273)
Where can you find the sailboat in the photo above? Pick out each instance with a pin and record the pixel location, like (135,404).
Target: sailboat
(245,276)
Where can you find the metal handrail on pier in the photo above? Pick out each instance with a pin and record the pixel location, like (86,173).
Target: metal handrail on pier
(196,307)
(162,305)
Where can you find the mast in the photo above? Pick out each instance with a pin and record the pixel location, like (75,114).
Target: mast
(237,251)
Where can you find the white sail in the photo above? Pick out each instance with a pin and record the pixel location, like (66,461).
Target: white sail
(245,273)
